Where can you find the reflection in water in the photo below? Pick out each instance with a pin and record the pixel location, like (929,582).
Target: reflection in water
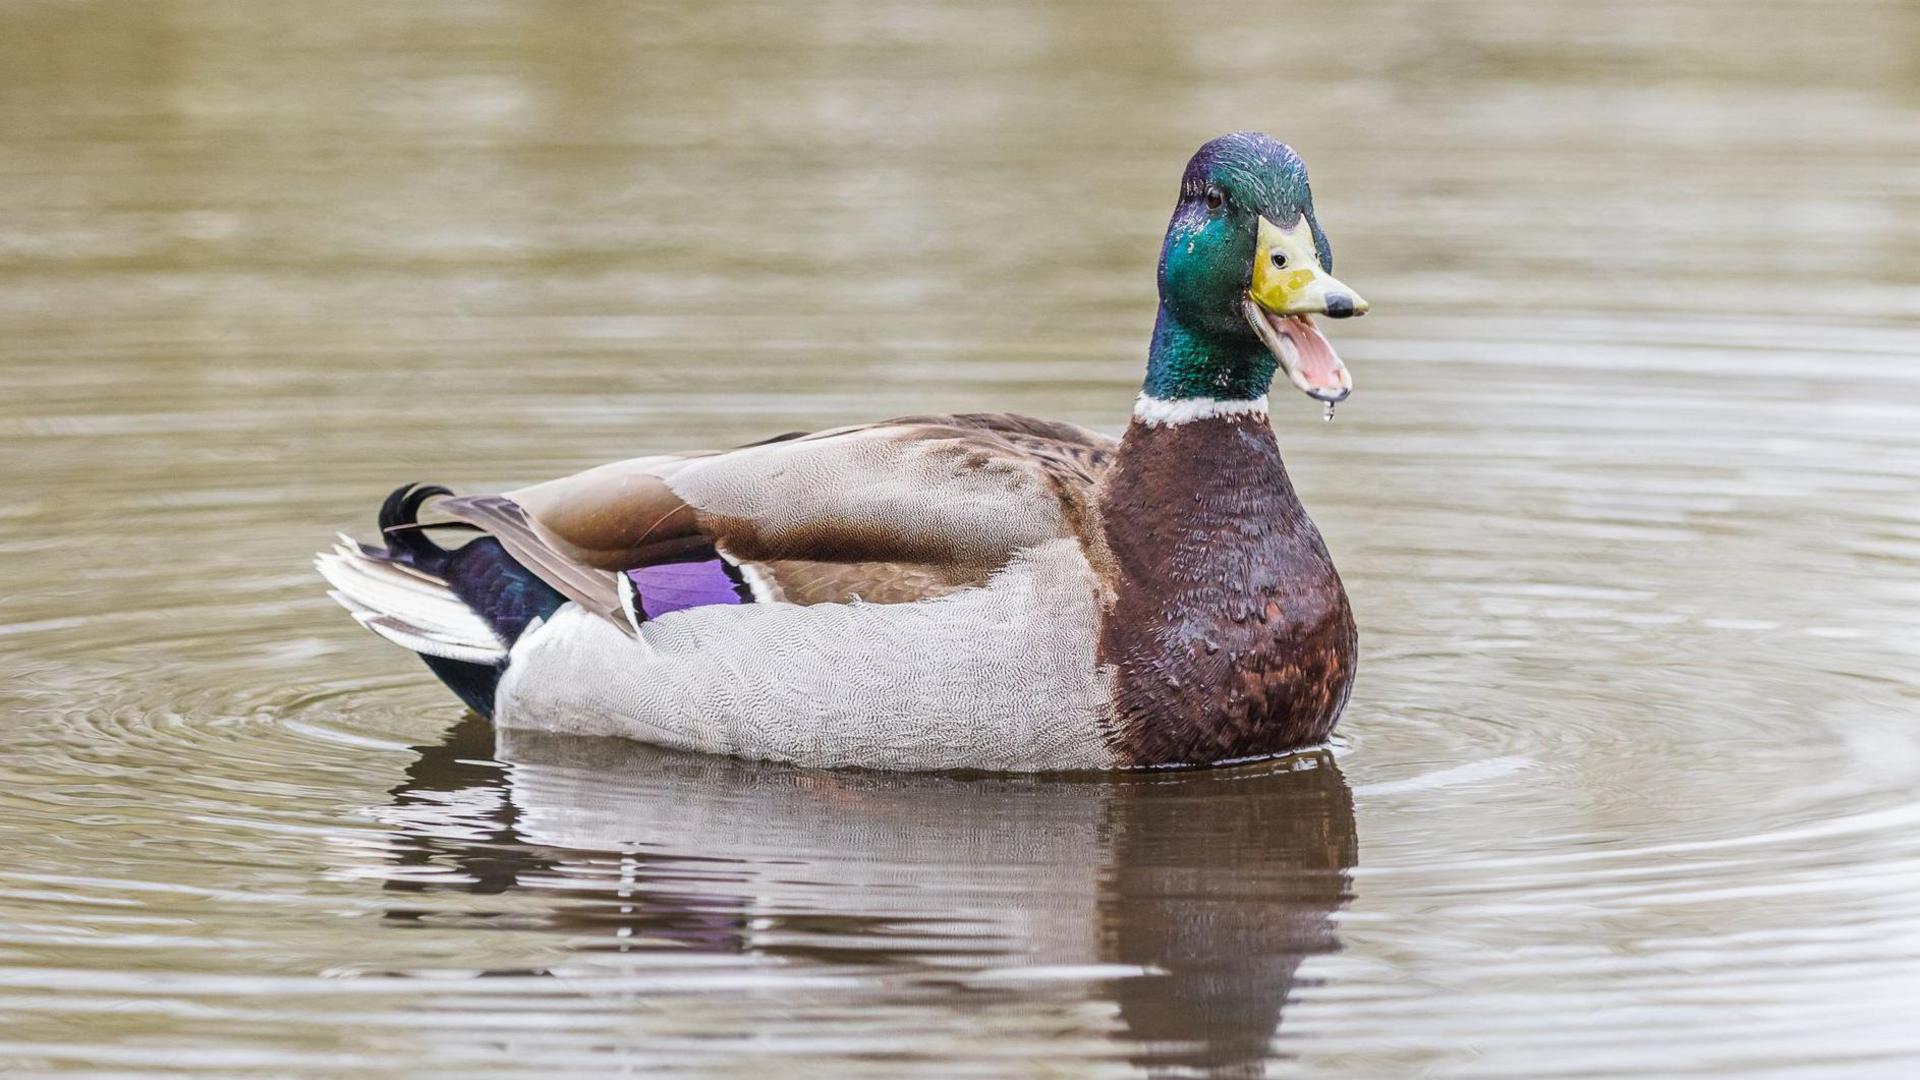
(1189,900)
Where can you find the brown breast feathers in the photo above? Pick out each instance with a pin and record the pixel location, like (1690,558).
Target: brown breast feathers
(1229,634)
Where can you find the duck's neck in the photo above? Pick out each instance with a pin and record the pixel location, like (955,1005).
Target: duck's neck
(1191,364)
(1229,634)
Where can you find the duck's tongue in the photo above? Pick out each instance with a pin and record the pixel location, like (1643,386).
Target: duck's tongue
(1308,356)
(1309,359)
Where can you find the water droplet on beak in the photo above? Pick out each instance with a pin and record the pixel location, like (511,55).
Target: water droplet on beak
(1328,415)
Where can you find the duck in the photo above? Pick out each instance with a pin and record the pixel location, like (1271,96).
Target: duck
(979,592)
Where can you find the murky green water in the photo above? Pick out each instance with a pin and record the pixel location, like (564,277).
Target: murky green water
(1628,501)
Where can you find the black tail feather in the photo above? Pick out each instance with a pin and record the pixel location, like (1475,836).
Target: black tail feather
(407,540)
(473,684)
(481,573)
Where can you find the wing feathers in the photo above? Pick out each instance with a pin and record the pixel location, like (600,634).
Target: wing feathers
(888,512)
(594,589)
(963,491)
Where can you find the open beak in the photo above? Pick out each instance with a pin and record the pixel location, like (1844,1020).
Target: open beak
(1289,288)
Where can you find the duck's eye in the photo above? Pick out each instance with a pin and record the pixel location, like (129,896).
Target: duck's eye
(1278,258)
(1216,198)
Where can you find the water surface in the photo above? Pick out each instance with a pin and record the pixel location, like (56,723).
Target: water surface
(1626,501)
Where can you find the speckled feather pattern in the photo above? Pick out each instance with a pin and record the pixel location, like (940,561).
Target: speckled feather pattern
(998,677)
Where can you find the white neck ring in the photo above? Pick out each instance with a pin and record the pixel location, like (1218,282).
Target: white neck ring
(1165,412)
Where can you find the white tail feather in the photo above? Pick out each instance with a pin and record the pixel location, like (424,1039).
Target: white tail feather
(408,607)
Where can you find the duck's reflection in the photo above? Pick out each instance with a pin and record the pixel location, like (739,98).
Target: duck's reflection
(1210,887)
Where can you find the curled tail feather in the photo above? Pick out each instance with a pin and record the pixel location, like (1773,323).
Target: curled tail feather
(461,609)
(407,540)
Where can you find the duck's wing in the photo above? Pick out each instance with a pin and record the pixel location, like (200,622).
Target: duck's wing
(884,512)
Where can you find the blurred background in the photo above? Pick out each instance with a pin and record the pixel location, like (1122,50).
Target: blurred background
(1625,498)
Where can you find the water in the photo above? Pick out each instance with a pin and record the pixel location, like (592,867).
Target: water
(1625,501)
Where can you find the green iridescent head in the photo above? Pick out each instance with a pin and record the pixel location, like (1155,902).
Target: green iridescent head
(1244,268)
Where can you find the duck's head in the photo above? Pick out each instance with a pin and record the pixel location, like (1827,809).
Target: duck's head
(1243,272)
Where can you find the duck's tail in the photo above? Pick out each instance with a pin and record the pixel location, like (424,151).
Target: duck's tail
(461,609)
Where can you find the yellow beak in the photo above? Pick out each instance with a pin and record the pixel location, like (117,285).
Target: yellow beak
(1288,278)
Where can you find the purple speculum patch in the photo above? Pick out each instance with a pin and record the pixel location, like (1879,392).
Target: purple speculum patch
(676,586)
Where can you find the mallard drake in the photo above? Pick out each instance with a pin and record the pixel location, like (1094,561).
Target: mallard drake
(980,591)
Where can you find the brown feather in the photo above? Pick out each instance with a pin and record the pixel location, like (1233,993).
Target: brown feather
(611,518)
(802,581)
(860,512)
(1230,634)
